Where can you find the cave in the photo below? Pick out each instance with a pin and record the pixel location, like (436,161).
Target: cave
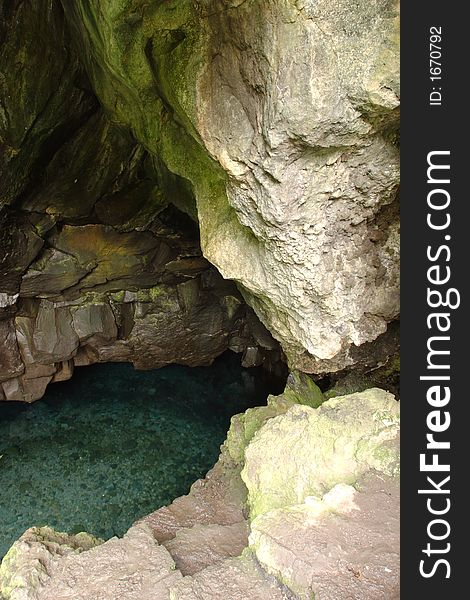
(199,299)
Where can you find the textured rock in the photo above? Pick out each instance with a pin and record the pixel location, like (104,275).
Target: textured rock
(48,338)
(218,499)
(42,97)
(283,117)
(28,563)
(327,526)
(272,123)
(10,359)
(231,579)
(318,448)
(308,546)
(193,549)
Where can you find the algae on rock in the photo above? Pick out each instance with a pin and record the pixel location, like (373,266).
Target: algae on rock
(292,162)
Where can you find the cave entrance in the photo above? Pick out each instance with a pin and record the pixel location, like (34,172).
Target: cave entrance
(113,444)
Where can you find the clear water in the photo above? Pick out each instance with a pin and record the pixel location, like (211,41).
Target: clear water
(113,444)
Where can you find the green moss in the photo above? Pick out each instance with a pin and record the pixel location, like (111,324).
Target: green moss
(307,451)
(301,389)
(117,297)
(144,61)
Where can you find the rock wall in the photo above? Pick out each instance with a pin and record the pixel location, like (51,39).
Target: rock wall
(282,116)
(95,293)
(96,263)
(273,123)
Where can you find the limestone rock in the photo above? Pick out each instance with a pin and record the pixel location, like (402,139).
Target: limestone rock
(271,123)
(42,97)
(328,525)
(193,549)
(282,117)
(54,336)
(309,546)
(133,567)
(28,563)
(336,443)
(187,323)
(218,499)
(231,579)
(10,359)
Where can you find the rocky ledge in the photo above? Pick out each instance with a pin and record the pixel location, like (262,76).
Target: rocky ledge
(302,503)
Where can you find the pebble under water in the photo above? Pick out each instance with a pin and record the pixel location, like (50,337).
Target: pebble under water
(113,444)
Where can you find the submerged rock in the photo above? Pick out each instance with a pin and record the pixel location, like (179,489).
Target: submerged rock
(303,502)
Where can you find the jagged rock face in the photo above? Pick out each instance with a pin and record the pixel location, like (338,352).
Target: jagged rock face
(272,123)
(96,264)
(315,523)
(96,294)
(282,116)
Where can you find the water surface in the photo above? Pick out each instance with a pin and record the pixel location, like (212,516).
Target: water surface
(113,444)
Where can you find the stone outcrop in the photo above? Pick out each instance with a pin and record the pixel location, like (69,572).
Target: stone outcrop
(319,522)
(96,264)
(96,293)
(271,123)
(282,116)
(178,178)
(189,323)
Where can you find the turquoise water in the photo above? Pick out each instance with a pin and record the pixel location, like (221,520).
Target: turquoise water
(113,444)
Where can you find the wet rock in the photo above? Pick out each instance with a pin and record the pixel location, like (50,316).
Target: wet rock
(10,358)
(19,246)
(42,93)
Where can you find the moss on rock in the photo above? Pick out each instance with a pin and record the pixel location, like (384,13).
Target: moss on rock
(307,451)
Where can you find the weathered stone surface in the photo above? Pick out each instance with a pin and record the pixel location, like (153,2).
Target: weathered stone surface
(308,546)
(283,118)
(292,164)
(28,563)
(19,245)
(93,320)
(193,549)
(54,337)
(187,323)
(53,272)
(42,97)
(318,448)
(11,364)
(218,499)
(231,579)
(133,568)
